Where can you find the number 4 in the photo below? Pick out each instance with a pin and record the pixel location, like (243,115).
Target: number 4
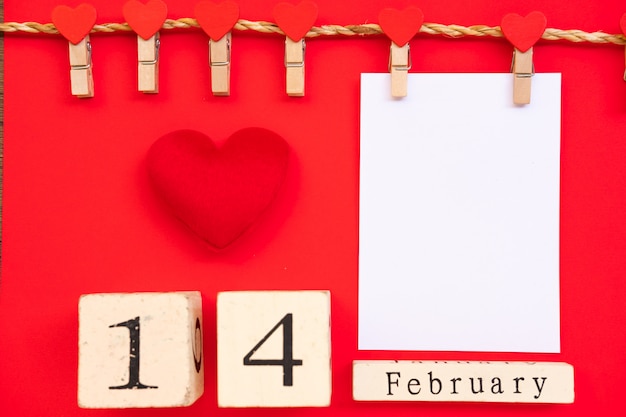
(287,361)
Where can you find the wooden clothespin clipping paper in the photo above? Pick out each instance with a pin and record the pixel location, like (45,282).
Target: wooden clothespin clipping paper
(400,27)
(217,21)
(622,25)
(146,20)
(295,21)
(75,25)
(523,33)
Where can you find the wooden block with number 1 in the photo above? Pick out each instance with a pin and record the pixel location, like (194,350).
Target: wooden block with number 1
(140,350)
(273,349)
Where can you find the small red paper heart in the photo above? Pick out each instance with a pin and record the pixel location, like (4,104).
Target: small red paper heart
(401,25)
(145,19)
(295,20)
(523,32)
(622,23)
(74,24)
(217,19)
(218,192)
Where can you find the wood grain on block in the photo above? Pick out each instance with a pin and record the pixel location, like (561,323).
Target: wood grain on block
(506,382)
(139,350)
(273,349)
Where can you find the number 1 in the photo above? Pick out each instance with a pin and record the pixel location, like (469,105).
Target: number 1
(133,365)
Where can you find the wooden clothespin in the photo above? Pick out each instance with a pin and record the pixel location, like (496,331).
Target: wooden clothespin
(217,21)
(81,75)
(75,25)
(399,66)
(622,25)
(523,33)
(294,66)
(295,21)
(219,61)
(400,26)
(523,70)
(148,64)
(146,20)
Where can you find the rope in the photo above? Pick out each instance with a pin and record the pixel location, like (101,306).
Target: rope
(449,31)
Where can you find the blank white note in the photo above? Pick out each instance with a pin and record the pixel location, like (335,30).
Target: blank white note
(459,215)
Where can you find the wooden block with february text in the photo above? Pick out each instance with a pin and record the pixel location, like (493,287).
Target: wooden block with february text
(139,350)
(273,349)
(507,382)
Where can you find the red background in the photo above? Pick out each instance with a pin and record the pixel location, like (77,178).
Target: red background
(79,216)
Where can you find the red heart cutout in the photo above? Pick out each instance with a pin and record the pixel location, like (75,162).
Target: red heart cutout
(74,24)
(523,32)
(217,19)
(145,19)
(218,193)
(401,25)
(296,20)
(622,23)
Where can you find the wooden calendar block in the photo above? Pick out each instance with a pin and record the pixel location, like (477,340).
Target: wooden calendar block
(505,382)
(140,350)
(273,349)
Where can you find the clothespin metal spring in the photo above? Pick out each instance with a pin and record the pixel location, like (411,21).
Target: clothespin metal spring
(221,63)
(299,63)
(86,66)
(157,46)
(406,67)
(527,74)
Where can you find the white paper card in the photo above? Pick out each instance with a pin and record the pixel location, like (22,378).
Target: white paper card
(459,215)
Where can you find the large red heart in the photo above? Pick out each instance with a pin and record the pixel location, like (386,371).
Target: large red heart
(217,19)
(145,19)
(523,32)
(622,23)
(218,192)
(401,25)
(295,20)
(74,24)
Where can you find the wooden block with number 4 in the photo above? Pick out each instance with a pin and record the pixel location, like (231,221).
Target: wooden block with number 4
(139,350)
(273,349)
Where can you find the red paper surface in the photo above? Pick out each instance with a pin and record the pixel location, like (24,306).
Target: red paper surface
(80,217)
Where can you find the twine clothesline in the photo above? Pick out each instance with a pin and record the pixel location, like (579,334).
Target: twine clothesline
(449,31)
